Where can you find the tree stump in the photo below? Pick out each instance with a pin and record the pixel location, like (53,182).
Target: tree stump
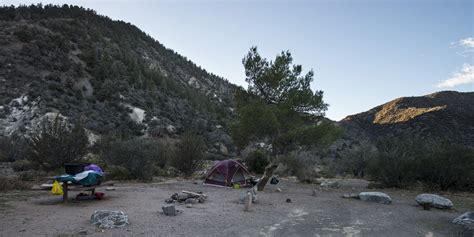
(266,176)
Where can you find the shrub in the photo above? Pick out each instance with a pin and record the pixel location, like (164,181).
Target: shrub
(189,154)
(137,156)
(394,164)
(21,165)
(55,144)
(13,148)
(447,167)
(355,161)
(402,162)
(257,161)
(12,183)
(117,173)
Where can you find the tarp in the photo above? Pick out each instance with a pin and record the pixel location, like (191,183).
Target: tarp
(227,172)
(86,178)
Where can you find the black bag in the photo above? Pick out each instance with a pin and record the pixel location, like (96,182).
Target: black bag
(274,180)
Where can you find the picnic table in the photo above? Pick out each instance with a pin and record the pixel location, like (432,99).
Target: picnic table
(68,186)
(71,187)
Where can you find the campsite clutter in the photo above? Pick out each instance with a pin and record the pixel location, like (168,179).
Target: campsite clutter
(78,177)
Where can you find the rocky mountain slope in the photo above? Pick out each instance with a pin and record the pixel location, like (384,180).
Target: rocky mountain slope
(442,116)
(115,77)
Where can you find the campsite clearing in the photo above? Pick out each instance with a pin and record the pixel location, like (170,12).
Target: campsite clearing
(325,214)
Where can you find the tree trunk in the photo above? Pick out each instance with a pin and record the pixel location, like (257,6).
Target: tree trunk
(266,175)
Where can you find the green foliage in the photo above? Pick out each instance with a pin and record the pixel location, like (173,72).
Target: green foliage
(279,105)
(55,144)
(448,167)
(138,156)
(22,165)
(117,173)
(257,161)
(12,183)
(355,161)
(394,164)
(189,154)
(403,161)
(13,148)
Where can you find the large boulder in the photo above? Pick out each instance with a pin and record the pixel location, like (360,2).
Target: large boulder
(434,201)
(377,197)
(109,219)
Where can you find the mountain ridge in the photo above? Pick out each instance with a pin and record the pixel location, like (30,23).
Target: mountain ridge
(445,115)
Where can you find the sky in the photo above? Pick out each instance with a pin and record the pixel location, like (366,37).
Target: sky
(363,52)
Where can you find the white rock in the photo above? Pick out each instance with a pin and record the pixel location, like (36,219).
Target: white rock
(435,201)
(377,197)
(466,220)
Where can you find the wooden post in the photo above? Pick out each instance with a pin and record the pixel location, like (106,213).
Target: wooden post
(65,188)
(248,201)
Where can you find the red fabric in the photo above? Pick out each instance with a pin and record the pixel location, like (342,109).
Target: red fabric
(99,195)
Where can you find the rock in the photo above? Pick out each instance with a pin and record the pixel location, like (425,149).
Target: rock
(169,210)
(352,195)
(466,220)
(171,129)
(201,199)
(189,205)
(377,197)
(278,190)
(109,219)
(330,184)
(191,201)
(288,200)
(434,201)
(169,200)
(182,197)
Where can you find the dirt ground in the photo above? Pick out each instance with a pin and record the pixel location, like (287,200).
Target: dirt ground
(38,213)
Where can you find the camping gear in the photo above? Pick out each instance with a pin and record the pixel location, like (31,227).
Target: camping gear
(99,195)
(85,178)
(74,168)
(227,172)
(95,168)
(57,189)
(274,180)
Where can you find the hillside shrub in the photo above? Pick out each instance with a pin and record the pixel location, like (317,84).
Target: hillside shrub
(257,161)
(395,163)
(136,155)
(13,148)
(448,167)
(12,183)
(189,154)
(355,161)
(403,162)
(56,143)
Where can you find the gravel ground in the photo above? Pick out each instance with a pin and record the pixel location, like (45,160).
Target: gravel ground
(37,213)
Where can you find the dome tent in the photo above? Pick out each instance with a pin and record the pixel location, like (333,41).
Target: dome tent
(227,172)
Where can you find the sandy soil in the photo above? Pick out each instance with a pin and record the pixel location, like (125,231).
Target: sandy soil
(37,213)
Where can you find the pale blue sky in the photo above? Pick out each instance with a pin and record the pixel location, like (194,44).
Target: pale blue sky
(364,53)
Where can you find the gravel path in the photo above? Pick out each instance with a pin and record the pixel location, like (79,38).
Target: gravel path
(37,213)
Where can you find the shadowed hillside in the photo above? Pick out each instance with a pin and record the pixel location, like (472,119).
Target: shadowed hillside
(74,62)
(446,115)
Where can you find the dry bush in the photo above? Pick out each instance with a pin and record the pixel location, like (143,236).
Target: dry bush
(12,183)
